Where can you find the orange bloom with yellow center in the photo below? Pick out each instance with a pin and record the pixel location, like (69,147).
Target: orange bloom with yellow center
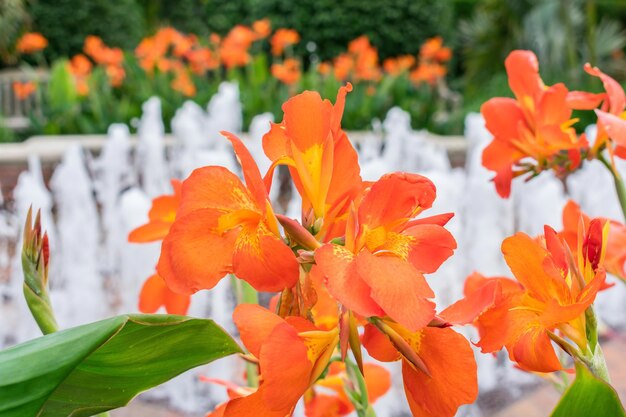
(292,354)
(224,226)
(536,124)
(155,293)
(323,163)
(23,90)
(379,271)
(438,365)
(551,293)
(283,38)
(31,42)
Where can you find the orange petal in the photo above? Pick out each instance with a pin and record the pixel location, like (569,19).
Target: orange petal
(378,345)
(276,142)
(582,100)
(323,405)
(253,405)
(377,379)
(307,119)
(398,288)
(149,232)
(395,197)
(251,173)
(264,260)
(451,362)
(522,68)
(552,108)
(340,103)
(176,303)
(285,367)
(337,265)
(255,324)
(615,92)
(532,267)
(614,126)
(152,296)
(214,187)
(431,246)
(532,349)
(193,257)
(502,117)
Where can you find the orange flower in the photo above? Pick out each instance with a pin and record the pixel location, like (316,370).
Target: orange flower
(536,124)
(551,294)
(155,293)
(446,375)
(427,73)
(23,90)
(111,58)
(379,271)
(31,42)
(202,60)
(377,380)
(611,117)
(234,48)
(325,68)
(80,68)
(433,50)
(342,66)
(616,241)
(283,38)
(262,28)
(288,72)
(224,226)
(292,354)
(183,84)
(323,163)
(396,66)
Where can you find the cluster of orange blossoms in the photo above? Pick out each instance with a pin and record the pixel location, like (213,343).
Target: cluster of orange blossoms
(360,63)
(25,89)
(533,132)
(350,274)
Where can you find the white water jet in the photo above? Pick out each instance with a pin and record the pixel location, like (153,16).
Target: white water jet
(150,161)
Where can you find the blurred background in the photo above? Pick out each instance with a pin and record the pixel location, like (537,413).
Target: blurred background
(103,102)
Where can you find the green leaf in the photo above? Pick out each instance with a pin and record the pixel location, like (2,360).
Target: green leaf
(589,396)
(100,366)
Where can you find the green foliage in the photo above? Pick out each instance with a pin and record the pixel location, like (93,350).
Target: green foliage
(66,23)
(13,18)
(101,366)
(589,396)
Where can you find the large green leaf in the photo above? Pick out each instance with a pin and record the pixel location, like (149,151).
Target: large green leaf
(589,396)
(100,366)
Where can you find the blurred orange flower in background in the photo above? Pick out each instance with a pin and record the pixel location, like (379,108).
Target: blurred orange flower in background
(287,72)
(31,42)
(80,68)
(23,90)
(283,38)
(110,58)
(262,28)
(235,46)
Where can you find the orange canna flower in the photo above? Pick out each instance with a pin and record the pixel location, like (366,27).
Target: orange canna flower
(292,355)
(427,73)
(379,271)
(202,60)
(611,116)
(551,293)
(23,90)
(377,380)
(262,28)
(433,50)
(535,124)
(446,375)
(398,65)
(111,58)
(343,66)
(31,42)
(80,68)
(323,163)
(155,293)
(288,72)
(234,48)
(283,38)
(324,68)
(183,84)
(616,241)
(224,226)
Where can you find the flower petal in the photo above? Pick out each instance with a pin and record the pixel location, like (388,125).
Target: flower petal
(378,345)
(193,255)
(451,363)
(255,325)
(431,246)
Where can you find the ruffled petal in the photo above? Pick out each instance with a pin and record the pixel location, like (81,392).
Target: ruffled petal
(430,247)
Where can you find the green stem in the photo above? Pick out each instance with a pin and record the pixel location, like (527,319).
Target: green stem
(245,294)
(620,188)
(359,396)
